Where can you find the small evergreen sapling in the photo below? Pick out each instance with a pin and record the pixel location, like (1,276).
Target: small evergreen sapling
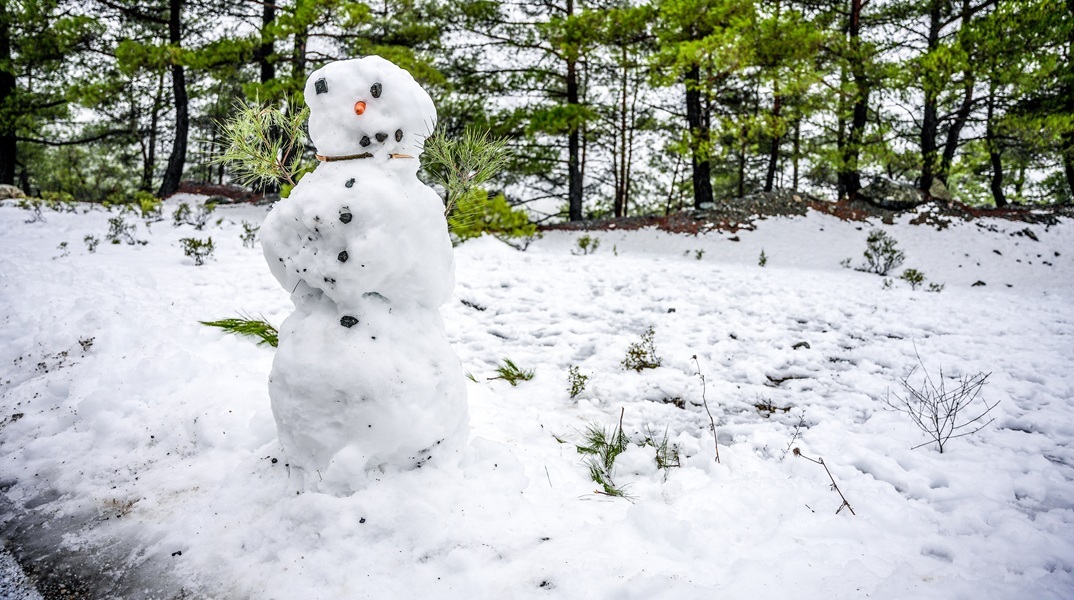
(762,260)
(642,354)
(576,381)
(199,250)
(249,234)
(587,244)
(881,254)
(120,231)
(913,277)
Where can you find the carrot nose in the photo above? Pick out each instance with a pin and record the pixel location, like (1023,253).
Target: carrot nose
(359,107)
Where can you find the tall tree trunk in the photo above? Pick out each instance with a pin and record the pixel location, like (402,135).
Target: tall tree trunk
(619,203)
(574,171)
(929,118)
(699,139)
(994,156)
(849,175)
(1067,149)
(1067,138)
(8,143)
(149,155)
(773,152)
(267,63)
(796,151)
(174,173)
(954,132)
(268,47)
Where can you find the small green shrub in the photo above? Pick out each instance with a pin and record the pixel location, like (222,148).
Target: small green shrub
(119,231)
(199,250)
(476,213)
(91,242)
(63,250)
(576,381)
(587,244)
(913,277)
(667,455)
(149,206)
(698,254)
(181,214)
(881,254)
(935,288)
(249,234)
(762,260)
(255,328)
(184,215)
(511,373)
(59,201)
(642,354)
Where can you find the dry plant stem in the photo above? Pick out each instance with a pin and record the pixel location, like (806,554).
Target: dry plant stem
(794,437)
(820,461)
(935,409)
(705,402)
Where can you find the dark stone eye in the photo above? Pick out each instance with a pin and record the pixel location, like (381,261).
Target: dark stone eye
(381,137)
(376,89)
(345,218)
(350,182)
(365,141)
(398,135)
(321,85)
(343,256)
(348,321)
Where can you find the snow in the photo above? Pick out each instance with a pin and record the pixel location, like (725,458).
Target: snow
(364,378)
(151,448)
(396,115)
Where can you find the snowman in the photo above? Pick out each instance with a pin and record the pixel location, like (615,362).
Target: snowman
(364,380)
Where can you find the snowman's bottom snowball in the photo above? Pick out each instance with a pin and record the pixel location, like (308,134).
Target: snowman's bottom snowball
(385,393)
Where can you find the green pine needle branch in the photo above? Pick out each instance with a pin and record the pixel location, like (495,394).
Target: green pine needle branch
(263,143)
(255,328)
(462,164)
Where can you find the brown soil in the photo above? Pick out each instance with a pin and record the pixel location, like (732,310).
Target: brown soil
(742,213)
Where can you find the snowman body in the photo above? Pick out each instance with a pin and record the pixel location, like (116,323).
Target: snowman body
(364,378)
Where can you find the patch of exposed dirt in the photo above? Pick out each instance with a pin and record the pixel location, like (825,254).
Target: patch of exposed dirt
(733,214)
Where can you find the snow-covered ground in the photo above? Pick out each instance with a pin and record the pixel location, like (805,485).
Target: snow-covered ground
(137,446)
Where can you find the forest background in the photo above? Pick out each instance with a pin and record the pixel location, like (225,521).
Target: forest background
(611,108)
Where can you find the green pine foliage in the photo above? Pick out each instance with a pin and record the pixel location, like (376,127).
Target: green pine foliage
(576,381)
(259,329)
(642,354)
(476,213)
(601,448)
(462,164)
(263,142)
(198,249)
(512,373)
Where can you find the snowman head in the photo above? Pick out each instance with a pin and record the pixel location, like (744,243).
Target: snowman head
(367,106)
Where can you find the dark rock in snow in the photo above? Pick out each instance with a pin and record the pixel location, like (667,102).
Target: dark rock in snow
(891,195)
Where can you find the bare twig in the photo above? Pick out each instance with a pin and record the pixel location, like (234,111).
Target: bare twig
(715,441)
(936,410)
(794,437)
(820,461)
